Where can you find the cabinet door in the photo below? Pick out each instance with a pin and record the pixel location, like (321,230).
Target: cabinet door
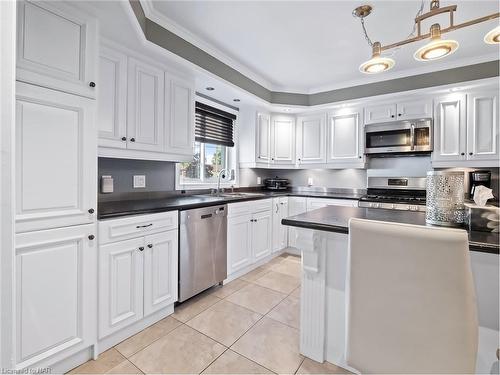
(179,116)
(263,144)
(296,206)
(160,271)
(56,47)
(311,145)
(282,140)
(55,293)
(145,126)
(112,99)
(283,230)
(261,234)
(239,251)
(55,159)
(380,113)
(414,109)
(449,128)
(120,285)
(482,126)
(344,142)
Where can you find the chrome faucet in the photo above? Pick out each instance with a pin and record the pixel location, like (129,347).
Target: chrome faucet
(222,174)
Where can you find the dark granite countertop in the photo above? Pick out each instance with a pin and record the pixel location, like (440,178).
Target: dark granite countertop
(336,219)
(126,207)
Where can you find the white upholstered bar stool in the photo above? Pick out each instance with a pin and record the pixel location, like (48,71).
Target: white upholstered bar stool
(410,300)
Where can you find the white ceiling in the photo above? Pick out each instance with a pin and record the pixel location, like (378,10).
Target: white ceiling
(312,46)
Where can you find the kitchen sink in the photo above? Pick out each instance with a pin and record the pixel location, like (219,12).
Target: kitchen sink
(237,195)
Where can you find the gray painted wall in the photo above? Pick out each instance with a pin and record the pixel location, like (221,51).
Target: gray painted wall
(160,175)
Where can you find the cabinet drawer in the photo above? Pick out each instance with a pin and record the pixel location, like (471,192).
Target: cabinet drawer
(136,226)
(243,208)
(261,205)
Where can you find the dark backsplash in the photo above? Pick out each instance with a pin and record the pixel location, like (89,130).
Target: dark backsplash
(160,175)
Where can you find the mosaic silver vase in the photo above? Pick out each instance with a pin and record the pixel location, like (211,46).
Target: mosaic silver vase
(445,198)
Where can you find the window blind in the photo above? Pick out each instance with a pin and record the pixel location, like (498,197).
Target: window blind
(213,125)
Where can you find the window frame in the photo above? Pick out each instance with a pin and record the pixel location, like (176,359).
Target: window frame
(231,157)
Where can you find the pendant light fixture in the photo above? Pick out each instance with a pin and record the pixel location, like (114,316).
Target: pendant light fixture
(493,37)
(376,64)
(436,48)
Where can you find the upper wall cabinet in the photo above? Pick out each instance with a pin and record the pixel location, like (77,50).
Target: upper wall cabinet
(263,133)
(179,118)
(144,111)
(112,99)
(404,110)
(282,139)
(450,128)
(482,126)
(55,159)
(56,47)
(145,126)
(311,136)
(345,137)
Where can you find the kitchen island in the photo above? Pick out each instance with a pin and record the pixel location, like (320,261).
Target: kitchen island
(323,241)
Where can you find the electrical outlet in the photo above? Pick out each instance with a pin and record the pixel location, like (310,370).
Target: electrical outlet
(139,181)
(259,181)
(310,181)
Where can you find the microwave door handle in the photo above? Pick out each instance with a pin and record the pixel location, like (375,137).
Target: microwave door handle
(412,136)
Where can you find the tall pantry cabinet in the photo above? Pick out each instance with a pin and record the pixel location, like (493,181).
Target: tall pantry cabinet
(56,157)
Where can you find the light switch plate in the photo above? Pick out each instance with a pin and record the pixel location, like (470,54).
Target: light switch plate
(310,181)
(139,181)
(259,180)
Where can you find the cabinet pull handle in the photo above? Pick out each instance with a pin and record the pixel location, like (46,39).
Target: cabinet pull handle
(399,114)
(132,139)
(91,237)
(150,245)
(124,139)
(462,153)
(144,226)
(91,211)
(277,208)
(141,248)
(92,84)
(392,116)
(471,153)
(360,156)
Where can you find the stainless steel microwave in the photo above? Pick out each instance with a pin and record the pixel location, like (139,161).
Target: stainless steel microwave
(412,136)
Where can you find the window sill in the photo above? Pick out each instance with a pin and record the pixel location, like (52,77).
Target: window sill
(204,186)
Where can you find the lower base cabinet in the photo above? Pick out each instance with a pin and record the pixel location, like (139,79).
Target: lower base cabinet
(249,233)
(137,277)
(55,294)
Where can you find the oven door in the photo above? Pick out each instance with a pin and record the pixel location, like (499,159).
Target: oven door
(388,138)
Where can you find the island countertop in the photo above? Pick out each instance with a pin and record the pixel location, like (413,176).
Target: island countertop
(336,219)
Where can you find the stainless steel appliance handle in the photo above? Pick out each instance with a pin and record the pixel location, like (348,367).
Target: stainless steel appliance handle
(412,136)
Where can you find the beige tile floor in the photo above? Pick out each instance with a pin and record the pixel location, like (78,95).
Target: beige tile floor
(248,326)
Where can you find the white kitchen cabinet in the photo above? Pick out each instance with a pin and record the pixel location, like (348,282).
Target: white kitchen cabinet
(179,118)
(414,109)
(137,276)
(280,231)
(120,285)
(261,234)
(450,128)
(56,47)
(380,113)
(239,245)
(296,206)
(145,112)
(409,109)
(282,139)
(263,135)
(55,159)
(344,137)
(112,98)
(160,270)
(483,126)
(55,294)
(315,203)
(311,136)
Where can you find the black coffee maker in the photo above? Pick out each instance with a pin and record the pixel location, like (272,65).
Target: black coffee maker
(477,178)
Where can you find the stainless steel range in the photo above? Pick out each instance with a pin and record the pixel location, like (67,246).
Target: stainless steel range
(395,193)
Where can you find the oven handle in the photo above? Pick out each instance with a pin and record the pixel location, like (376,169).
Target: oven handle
(412,136)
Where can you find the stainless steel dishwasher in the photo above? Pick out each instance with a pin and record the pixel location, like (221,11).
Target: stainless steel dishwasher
(202,249)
